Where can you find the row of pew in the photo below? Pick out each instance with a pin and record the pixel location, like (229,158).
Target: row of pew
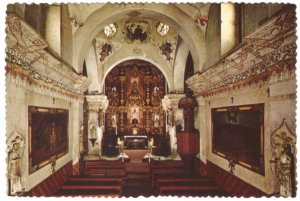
(99,179)
(170,178)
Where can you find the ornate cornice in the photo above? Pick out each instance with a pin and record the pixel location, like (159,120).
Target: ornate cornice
(97,102)
(269,49)
(170,101)
(26,57)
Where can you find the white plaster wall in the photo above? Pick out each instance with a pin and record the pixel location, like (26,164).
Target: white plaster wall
(92,70)
(281,105)
(17,101)
(179,67)
(52,28)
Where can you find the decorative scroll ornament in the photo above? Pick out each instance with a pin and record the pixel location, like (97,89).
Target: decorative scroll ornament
(271,48)
(284,151)
(27,60)
(15,148)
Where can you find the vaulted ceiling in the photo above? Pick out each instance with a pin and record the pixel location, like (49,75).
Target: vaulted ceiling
(112,33)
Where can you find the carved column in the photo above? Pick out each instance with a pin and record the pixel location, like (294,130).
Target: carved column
(96,105)
(174,119)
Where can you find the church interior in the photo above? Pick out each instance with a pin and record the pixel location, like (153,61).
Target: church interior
(144,99)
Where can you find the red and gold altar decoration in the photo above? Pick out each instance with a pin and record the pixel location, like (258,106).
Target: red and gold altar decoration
(134,89)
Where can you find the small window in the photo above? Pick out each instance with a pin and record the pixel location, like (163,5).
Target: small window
(162,29)
(110,30)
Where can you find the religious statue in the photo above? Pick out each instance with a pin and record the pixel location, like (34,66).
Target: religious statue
(113,122)
(81,143)
(155,99)
(93,136)
(114,96)
(15,154)
(134,90)
(156,91)
(156,122)
(135,114)
(283,143)
(286,171)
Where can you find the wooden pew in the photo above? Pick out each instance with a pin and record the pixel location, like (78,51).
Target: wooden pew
(94,181)
(167,166)
(94,190)
(103,164)
(183,182)
(165,173)
(106,172)
(104,168)
(189,190)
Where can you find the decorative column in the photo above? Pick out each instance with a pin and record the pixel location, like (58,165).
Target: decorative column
(175,119)
(96,105)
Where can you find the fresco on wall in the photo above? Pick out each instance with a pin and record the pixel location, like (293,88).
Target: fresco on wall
(48,135)
(137,30)
(238,135)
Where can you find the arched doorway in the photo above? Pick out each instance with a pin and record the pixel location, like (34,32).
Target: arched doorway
(134,89)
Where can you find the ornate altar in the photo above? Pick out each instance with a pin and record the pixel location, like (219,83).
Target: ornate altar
(136,141)
(134,89)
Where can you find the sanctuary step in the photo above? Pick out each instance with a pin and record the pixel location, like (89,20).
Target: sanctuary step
(92,186)
(137,181)
(104,169)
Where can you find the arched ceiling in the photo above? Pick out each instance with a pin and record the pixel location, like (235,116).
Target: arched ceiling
(89,21)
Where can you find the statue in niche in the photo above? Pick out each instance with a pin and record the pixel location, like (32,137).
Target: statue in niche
(155,96)
(286,171)
(114,95)
(81,142)
(156,122)
(93,131)
(156,91)
(135,116)
(134,90)
(113,122)
(283,143)
(15,153)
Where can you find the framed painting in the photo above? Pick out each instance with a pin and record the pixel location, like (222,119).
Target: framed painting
(48,135)
(238,135)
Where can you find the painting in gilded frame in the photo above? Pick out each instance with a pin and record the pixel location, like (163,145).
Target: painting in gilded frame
(238,135)
(48,135)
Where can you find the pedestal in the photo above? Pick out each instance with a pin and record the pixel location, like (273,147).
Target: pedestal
(96,106)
